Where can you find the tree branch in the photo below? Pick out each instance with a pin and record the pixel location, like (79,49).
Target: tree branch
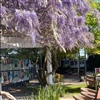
(8,95)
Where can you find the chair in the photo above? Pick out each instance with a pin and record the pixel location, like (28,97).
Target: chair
(98,79)
(88,95)
(88,90)
(79,97)
(84,96)
(90,80)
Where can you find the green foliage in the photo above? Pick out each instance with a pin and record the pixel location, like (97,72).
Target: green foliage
(52,92)
(69,54)
(92,23)
(58,77)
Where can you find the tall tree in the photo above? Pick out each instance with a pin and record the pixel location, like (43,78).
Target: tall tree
(92,20)
(52,23)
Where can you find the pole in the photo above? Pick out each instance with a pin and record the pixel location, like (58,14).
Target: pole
(0,91)
(85,60)
(78,63)
(0,82)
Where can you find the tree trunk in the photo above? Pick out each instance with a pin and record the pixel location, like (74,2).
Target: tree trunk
(42,79)
(37,73)
(49,66)
(46,77)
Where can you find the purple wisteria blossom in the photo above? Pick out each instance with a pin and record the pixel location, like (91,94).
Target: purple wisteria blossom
(50,22)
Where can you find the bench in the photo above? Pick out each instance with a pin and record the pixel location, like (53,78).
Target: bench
(79,97)
(88,90)
(89,95)
(83,97)
(86,94)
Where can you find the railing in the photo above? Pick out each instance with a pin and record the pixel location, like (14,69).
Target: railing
(14,76)
(8,77)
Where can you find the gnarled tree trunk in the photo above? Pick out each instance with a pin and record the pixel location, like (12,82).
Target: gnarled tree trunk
(49,66)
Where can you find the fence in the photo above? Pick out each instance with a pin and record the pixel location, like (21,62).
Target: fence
(14,76)
(15,70)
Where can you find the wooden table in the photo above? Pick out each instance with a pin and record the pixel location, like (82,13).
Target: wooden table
(98,95)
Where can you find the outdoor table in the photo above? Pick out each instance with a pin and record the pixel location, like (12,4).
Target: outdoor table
(98,94)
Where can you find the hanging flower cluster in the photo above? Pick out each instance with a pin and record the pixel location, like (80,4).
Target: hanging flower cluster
(50,22)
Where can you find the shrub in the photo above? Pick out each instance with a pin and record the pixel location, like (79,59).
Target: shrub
(53,92)
(58,77)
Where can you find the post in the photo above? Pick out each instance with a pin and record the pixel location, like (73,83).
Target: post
(0,91)
(85,60)
(78,63)
(0,83)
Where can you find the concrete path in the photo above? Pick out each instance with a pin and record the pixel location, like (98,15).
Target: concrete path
(67,99)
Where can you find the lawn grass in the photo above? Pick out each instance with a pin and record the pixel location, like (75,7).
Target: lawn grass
(73,89)
(67,90)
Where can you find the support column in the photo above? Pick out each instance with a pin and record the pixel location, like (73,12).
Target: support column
(85,60)
(0,89)
(0,82)
(78,63)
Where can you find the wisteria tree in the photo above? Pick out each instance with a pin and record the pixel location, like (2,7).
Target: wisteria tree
(52,23)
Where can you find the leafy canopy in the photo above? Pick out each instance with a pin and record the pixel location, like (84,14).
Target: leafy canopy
(92,20)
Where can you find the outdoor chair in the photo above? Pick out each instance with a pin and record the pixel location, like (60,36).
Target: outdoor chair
(90,80)
(88,90)
(79,97)
(89,73)
(84,96)
(98,80)
(89,95)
